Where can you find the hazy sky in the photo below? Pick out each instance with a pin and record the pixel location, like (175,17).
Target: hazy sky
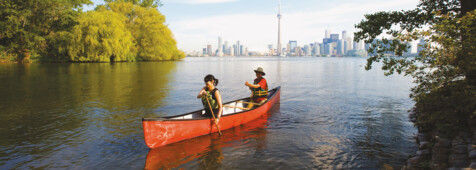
(196,23)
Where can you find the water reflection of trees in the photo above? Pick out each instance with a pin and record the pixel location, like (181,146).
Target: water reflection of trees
(49,106)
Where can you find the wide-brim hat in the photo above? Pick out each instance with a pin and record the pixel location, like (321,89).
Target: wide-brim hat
(260,70)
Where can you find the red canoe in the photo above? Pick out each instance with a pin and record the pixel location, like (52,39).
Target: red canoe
(165,130)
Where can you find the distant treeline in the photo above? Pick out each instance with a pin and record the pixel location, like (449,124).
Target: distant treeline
(59,31)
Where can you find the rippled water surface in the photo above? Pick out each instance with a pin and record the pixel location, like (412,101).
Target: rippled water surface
(332,114)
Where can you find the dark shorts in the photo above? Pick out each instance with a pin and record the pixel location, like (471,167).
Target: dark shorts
(209,114)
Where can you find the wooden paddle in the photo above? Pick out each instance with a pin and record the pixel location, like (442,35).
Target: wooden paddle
(209,106)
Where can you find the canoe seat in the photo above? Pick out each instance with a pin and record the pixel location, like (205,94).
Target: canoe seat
(251,103)
(242,108)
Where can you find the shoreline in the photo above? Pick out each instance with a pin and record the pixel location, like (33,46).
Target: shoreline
(437,151)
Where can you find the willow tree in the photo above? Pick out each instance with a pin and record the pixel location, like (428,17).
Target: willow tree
(29,27)
(142,3)
(100,36)
(154,40)
(444,72)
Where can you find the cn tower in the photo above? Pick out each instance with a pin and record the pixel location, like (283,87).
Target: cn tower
(279,28)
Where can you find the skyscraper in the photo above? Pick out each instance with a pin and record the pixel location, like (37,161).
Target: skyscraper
(209,50)
(241,50)
(219,50)
(237,49)
(334,37)
(293,45)
(219,44)
(307,50)
(344,35)
(226,50)
(279,28)
(328,33)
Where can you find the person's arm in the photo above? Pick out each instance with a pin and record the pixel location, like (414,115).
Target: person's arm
(251,85)
(220,105)
(202,92)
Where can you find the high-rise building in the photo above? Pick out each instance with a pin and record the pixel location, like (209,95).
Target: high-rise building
(322,49)
(340,47)
(292,45)
(344,34)
(209,50)
(350,44)
(219,50)
(241,50)
(237,48)
(328,33)
(297,51)
(307,50)
(315,49)
(288,49)
(356,45)
(279,29)
(346,46)
(334,37)
(226,49)
(328,49)
(331,48)
(219,45)
(232,50)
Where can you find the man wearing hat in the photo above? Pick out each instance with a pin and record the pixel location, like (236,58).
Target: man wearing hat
(259,89)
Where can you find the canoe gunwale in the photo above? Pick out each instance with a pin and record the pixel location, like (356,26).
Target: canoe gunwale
(170,118)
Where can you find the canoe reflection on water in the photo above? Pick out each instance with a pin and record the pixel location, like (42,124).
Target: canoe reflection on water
(207,150)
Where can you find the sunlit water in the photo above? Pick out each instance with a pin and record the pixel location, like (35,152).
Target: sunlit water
(332,114)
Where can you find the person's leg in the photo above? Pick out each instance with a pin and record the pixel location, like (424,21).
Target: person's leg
(262,101)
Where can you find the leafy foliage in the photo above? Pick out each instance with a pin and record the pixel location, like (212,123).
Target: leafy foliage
(122,31)
(28,26)
(58,30)
(100,36)
(445,71)
(152,36)
(142,3)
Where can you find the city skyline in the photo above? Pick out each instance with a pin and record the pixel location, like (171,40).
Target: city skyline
(196,23)
(334,44)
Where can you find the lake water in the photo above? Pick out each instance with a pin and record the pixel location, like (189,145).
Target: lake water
(332,114)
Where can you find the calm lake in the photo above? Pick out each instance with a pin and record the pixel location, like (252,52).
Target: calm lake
(332,114)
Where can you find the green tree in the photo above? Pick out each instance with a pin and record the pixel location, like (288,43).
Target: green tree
(142,3)
(444,72)
(154,40)
(100,36)
(28,27)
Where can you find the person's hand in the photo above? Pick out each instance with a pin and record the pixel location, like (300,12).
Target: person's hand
(247,84)
(203,92)
(217,120)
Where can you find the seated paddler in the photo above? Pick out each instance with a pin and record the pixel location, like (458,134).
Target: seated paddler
(211,98)
(259,88)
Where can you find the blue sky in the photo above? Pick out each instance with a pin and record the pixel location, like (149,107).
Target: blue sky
(196,23)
